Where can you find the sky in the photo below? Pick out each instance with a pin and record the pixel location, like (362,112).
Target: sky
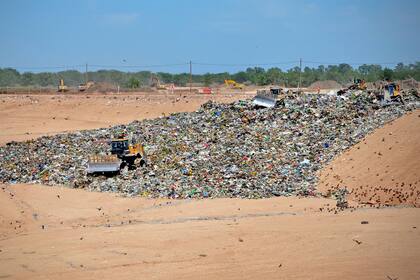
(216,35)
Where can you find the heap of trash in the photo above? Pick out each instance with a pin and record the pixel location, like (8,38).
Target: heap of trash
(221,150)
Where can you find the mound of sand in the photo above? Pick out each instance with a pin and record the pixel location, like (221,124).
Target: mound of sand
(102,87)
(383,169)
(328,84)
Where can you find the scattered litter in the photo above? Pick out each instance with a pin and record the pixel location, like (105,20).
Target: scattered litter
(357,241)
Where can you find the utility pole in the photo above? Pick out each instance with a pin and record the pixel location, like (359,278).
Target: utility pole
(190,75)
(86,74)
(300,73)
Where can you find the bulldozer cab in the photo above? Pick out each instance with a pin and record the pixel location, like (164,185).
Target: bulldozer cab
(119,146)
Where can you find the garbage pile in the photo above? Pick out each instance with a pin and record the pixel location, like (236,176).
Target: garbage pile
(221,150)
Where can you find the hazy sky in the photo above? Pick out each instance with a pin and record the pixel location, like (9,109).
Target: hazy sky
(128,32)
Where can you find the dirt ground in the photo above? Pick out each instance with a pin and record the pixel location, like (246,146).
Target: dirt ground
(382,169)
(58,233)
(25,117)
(61,233)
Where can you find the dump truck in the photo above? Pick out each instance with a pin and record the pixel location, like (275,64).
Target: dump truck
(269,98)
(122,154)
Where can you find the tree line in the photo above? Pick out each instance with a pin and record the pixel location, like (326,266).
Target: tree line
(342,73)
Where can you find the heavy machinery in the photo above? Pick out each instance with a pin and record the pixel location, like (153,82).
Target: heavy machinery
(62,87)
(122,154)
(269,98)
(358,84)
(155,82)
(86,86)
(391,95)
(233,84)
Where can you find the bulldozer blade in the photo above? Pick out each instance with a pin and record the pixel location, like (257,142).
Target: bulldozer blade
(265,100)
(103,164)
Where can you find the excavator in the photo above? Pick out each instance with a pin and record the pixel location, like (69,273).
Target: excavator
(62,87)
(155,82)
(122,154)
(233,84)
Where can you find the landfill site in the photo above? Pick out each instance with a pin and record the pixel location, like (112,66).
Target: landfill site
(215,140)
(248,184)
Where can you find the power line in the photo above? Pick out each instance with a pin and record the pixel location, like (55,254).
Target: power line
(45,67)
(355,63)
(246,64)
(139,66)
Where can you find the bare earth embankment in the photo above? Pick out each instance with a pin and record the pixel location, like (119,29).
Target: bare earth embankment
(60,233)
(383,169)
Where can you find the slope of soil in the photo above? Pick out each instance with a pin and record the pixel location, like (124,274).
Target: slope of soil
(57,233)
(383,169)
(329,84)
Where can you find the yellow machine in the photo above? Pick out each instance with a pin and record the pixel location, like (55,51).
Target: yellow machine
(391,94)
(62,87)
(155,82)
(122,154)
(233,84)
(358,84)
(84,87)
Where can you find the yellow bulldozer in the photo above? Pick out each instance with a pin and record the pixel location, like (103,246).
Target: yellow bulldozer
(122,154)
(233,84)
(358,84)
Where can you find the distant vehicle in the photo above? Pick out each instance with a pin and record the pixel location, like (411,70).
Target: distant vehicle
(84,87)
(155,82)
(233,84)
(358,84)
(205,90)
(62,87)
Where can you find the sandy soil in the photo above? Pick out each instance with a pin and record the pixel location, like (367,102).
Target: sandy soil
(383,169)
(25,117)
(60,233)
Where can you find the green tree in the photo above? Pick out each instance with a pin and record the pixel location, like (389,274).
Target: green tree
(387,74)
(133,83)
(207,79)
(9,77)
